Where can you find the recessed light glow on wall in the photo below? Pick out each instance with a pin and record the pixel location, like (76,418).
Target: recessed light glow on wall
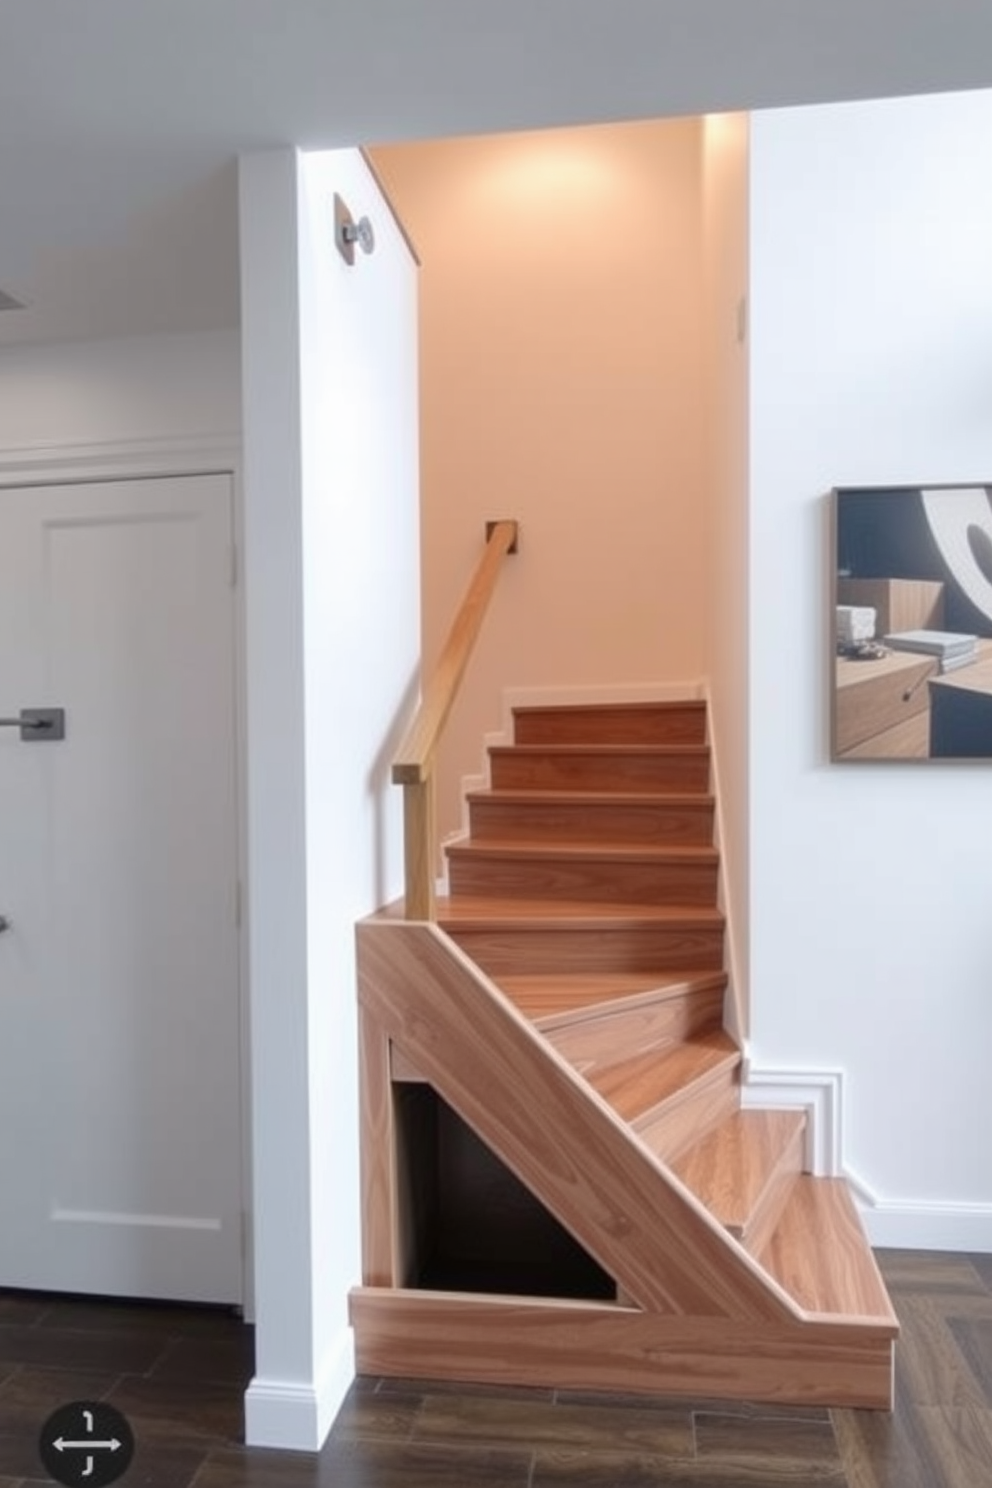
(532,167)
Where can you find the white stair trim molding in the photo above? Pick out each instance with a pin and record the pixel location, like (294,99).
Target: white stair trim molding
(566,696)
(820,1093)
(922,1224)
(297,1415)
(734,1009)
(889,1223)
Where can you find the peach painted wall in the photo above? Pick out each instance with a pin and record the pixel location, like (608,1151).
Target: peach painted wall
(561,365)
(725,267)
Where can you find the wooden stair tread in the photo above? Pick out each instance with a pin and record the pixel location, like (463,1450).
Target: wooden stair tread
(655,751)
(730,1169)
(819,1253)
(519,795)
(464,912)
(552,997)
(645,1082)
(540,849)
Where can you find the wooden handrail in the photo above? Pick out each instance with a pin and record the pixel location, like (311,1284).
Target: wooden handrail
(413,767)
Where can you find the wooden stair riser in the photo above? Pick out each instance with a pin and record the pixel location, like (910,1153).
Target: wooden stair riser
(570,768)
(665,821)
(744,1170)
(597,879)
(763,1221)
(637,1086)
(553,1000)
(674,1125)
(652,947)
(603,1036)
(682,722)
(526,1341)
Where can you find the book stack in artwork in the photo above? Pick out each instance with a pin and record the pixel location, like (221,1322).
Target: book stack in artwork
(951,649)
(855,623)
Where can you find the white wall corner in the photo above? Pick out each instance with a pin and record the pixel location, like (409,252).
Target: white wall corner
(297,1415)
(921,1224)
(890,1223)
(819,1093)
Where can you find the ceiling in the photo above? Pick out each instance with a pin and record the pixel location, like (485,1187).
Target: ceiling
(121,120)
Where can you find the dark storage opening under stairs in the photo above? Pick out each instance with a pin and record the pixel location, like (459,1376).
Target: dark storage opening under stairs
(472,1225)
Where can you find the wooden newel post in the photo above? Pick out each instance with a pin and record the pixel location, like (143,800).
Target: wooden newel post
(418,848)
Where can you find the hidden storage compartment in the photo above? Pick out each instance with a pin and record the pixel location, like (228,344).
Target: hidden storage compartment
(467,1223)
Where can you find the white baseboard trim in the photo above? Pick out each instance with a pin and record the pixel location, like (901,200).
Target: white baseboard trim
(890,1223)
(297,1415)
(819,1093)
(922,1224)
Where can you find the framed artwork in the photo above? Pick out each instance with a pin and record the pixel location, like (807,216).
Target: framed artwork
(911,619)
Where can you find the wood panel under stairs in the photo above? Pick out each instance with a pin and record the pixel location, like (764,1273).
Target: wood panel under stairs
(569,1007)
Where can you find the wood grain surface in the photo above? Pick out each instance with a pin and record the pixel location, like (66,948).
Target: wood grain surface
(600,816)
(677,722)
(376,1155)
(601,1347)
(497,1073)
(841,1277)
(655,1023)
(590,767)
(512,936)
(564,997)
(414,759)
(628,873)
(743,1170)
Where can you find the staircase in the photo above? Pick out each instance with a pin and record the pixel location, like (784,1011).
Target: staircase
(550,1062)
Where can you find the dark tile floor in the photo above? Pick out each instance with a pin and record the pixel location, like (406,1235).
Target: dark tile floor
(179,1374)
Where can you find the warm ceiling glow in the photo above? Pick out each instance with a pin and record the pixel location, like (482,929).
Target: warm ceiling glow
(531,168)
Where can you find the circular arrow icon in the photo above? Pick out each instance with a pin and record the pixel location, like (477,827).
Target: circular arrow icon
(86,1444)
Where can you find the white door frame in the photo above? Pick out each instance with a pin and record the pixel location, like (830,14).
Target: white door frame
(56,464)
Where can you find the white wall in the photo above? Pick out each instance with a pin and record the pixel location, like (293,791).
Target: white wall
(333,608)
(871,363)
(73,397)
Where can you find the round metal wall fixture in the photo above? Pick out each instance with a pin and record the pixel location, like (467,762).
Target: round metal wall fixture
(348,232)
(362,233)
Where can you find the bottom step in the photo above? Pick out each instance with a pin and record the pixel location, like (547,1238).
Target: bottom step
(743,1170)
(819,1254)
(598,1346)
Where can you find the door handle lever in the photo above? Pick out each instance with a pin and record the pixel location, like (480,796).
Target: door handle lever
(4,924)
(37,724)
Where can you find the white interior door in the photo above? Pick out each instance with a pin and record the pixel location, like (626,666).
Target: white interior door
(120,1129)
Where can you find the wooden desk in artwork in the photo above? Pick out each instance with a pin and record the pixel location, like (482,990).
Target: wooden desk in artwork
(882,707)
(961,710)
